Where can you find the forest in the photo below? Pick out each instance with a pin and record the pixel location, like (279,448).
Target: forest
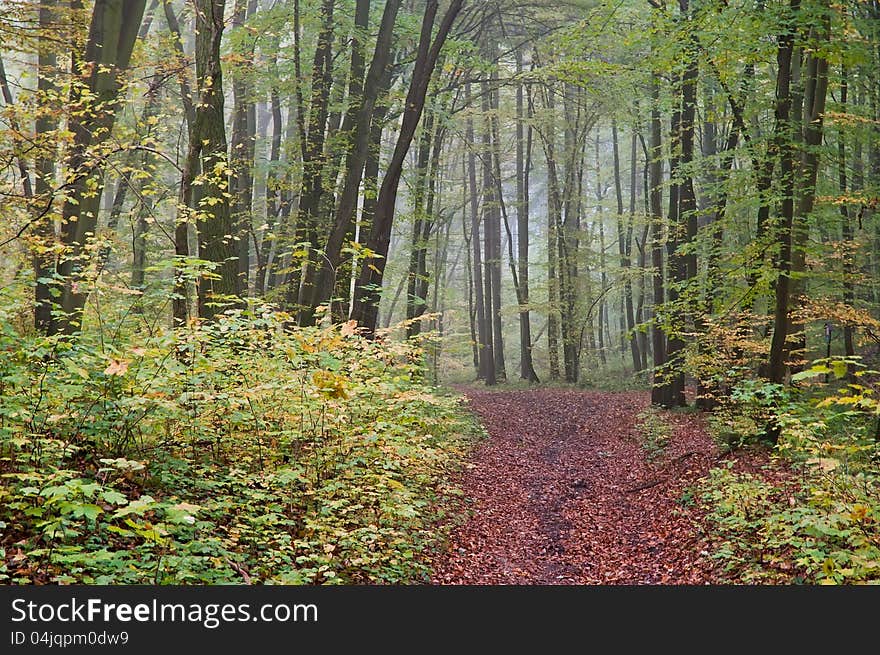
(439,292)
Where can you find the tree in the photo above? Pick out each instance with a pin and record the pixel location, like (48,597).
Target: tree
(366,126)
(365,310)
(523,170)
(94,103)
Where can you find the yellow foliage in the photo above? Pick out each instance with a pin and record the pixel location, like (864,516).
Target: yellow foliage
(330,384)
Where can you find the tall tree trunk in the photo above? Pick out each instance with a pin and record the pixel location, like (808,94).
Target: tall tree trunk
(523,169)
(554,221)
(683,218)
(366,307)
(209,148)
(145,204)
(241,156)
(95,99)
(420,228)
(603,273)
(134,160)
(567,242)
(180,299)
(268,245)
(495,210)
(280,257)
(641,244)
(812,113)
(624,236)
(486,357)
(848,264)
(784,150)
(661,387)
(489,212)
(469,275)
(312,188)
(44,168)
(371,178)
(360,125)
(675,261)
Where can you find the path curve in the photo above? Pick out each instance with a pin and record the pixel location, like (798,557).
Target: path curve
(562,492)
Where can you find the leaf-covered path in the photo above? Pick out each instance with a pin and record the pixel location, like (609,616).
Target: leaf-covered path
(563,492)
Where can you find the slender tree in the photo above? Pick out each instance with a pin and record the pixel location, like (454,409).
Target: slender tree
(365,310)
(94,103)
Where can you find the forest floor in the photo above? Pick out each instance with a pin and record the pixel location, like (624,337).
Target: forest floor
(564,491)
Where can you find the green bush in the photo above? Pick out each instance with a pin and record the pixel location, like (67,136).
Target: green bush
(820,522)
(655,433)
(750,413)
(234,451)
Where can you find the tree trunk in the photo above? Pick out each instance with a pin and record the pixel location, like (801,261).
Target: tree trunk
(554,221)
(848,264)
(495,210)
(784,150)
(312,188)
(523,168)
(603,273)
(241,156)
(268,244)
(208,150)
(472,310)
(368,292)
(94,101)
(675,261)
(180,300)
(812,112)
(623,239)
(44,168)
(661,387)
(360,124)
(683,217)
(421,229)
(486,357)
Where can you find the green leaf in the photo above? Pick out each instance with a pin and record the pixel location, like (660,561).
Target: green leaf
(812,372)
(114,497)
(136,507)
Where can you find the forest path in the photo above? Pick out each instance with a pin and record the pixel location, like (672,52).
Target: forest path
(564,492)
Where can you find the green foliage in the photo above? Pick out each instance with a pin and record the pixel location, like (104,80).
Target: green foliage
(614,380)
(825,531)
(240,450)
(817,523)
(655,432)
(753,407)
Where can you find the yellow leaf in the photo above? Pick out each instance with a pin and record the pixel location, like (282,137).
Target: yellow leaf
(329,384)
(859,513)
(828,566)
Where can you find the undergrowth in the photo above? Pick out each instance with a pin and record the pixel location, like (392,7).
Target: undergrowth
(819,523)
(655,432)
(227,452)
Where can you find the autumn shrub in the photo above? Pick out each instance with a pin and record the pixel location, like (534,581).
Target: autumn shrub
(723,353)
(227,452)
(749,412)
(821,522)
